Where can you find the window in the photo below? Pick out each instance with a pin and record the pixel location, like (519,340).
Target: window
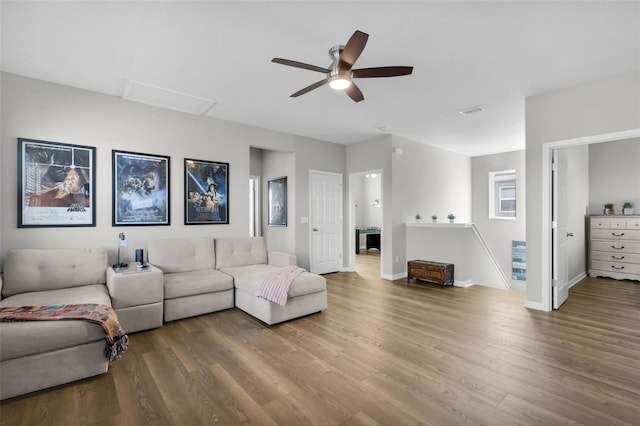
(502,194)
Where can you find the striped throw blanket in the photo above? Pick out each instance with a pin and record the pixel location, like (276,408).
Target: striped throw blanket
(117,340)
(275,286)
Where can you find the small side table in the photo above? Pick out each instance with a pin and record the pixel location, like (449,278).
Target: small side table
(137,297)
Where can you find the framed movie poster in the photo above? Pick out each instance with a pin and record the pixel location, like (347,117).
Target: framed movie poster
(56,184)
(140,189)
(206,192)
(278,201)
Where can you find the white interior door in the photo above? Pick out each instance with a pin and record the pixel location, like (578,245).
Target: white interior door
(325,222)
(559,229)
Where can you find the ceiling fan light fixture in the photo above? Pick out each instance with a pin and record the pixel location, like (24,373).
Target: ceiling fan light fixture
(339,82)
(340,74)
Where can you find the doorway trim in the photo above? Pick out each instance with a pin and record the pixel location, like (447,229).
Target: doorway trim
(351,222)
(257,205)
(547,202)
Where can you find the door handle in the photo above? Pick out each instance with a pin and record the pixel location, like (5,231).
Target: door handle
(569,234)
(315,229)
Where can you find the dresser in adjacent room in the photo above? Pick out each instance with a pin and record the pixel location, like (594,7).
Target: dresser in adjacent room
(615,247)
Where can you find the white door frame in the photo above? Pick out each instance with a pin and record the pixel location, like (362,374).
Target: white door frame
(559,233)
(351,247)
(257,205)
(547,194)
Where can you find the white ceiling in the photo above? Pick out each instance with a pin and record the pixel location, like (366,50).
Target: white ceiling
(464,53)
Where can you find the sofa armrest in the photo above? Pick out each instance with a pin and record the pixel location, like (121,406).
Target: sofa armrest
(278,258)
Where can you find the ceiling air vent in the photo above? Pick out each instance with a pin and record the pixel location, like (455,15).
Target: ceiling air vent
(471,110)
(165,98)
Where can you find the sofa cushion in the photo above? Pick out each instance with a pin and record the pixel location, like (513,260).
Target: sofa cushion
(195,282)
(232,252)
(182,254)
(27,270)
(33,337)
(248,278)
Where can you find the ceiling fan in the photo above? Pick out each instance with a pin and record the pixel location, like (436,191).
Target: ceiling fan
(340,75)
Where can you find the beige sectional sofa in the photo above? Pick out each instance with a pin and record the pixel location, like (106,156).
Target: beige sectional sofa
(203,275)
(40,354)
(191,276)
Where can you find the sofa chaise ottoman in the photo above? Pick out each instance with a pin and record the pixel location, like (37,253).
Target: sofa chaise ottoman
(249,263)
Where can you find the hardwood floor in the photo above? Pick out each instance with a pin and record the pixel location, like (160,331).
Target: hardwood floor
(383,353)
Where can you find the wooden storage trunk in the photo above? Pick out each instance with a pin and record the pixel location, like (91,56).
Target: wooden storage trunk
(436,272)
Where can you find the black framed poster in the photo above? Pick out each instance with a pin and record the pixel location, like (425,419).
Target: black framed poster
(278,201)
(56,184)
(206,192)
(140,189)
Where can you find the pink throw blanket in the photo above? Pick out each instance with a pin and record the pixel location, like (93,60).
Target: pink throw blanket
(276,285)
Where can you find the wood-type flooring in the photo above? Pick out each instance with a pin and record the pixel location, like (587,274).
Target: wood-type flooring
(383,353)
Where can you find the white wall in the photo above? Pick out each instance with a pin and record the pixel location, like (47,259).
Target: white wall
(255,159)
(359,200)
(41,110)
(426,180)
(601,107)
(366,191)
(614,175)
(371,188)
(457,244)
(421,179)
(319,156)
(275,165)
(499,233)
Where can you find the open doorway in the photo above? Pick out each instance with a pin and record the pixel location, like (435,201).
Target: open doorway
(365,221)
(548,249)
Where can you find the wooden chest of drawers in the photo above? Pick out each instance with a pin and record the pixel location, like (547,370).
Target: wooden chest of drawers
(615,247)
(440,273)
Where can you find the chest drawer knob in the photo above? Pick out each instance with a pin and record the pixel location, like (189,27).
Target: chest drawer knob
(617,235)
(617,248)
(617,267)
(618,257)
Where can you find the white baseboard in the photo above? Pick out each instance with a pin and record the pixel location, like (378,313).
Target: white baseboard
(535,305)
(390,277)
(577,279)
(463,284)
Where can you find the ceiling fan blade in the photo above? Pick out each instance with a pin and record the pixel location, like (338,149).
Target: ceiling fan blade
(381,72)
(310,88)
(354,92)
(299,65)
(353,49)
